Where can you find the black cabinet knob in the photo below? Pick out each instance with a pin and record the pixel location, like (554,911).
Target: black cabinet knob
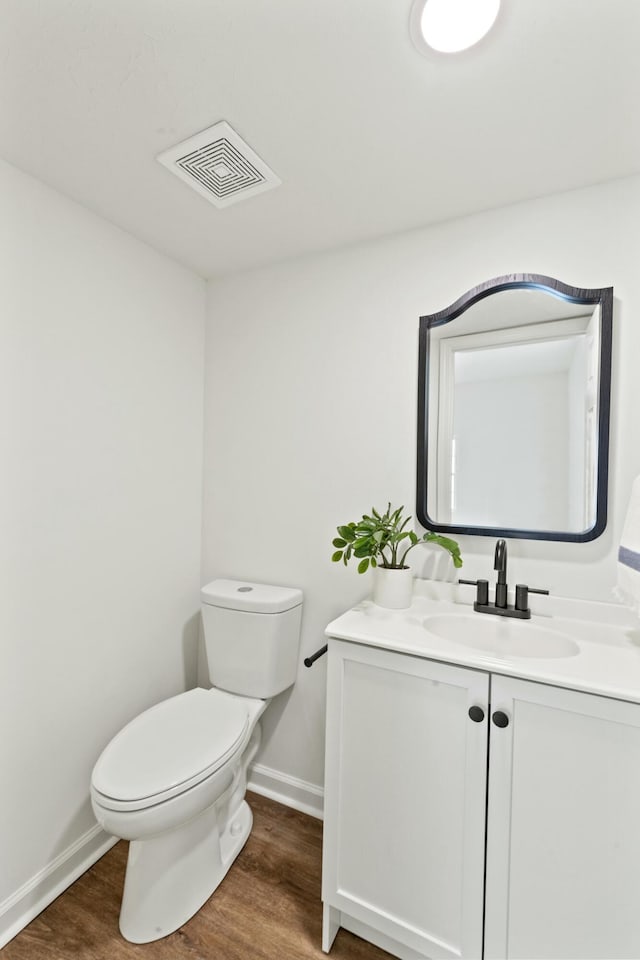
(476,714)
(500,719)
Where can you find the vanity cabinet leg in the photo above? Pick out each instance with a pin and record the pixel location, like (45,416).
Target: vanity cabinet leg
(330,926)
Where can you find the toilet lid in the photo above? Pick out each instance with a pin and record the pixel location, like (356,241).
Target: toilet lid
(185,738)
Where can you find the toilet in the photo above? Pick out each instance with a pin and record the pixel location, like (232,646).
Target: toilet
(173,781)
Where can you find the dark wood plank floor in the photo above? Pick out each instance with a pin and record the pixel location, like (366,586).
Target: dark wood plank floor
(267,907)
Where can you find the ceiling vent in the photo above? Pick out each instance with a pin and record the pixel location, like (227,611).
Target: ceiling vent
(220,166)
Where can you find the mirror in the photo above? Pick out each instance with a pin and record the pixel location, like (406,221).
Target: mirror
(513,411)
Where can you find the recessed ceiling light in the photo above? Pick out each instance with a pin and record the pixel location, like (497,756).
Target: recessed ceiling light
(449,26)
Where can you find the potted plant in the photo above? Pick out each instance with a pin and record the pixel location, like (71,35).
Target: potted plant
(381,541)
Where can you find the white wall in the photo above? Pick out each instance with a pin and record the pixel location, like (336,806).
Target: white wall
(512,436)
(101,383)
(310,412)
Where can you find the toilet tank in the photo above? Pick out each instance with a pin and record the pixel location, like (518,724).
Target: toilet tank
(252,636)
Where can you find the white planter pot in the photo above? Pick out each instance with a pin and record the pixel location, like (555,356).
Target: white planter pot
(392,588)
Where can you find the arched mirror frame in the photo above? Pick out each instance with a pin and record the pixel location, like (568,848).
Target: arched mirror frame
(532,281)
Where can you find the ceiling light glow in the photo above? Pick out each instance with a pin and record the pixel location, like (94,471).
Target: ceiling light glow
(449,26)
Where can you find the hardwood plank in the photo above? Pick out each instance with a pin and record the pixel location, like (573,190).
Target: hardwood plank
(267,907)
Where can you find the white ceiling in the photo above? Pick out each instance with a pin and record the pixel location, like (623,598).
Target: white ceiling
(368,136)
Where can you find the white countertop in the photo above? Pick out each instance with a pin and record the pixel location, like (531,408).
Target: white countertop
(607,636)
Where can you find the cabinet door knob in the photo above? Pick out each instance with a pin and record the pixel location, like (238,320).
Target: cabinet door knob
(476,714)
(500,719)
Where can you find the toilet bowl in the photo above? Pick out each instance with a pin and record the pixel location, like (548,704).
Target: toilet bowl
(173,781)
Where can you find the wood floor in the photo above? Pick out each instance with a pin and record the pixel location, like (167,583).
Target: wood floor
(267,907)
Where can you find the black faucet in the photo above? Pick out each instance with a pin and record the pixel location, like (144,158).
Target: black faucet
(500,564)
(501,607)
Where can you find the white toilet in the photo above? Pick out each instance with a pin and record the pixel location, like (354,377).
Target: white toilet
(173,781)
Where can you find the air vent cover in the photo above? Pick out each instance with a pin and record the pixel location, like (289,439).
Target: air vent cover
(220,166)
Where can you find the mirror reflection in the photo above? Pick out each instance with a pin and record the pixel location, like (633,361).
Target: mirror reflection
(514,410)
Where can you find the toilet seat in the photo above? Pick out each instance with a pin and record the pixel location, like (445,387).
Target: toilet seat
(170,748)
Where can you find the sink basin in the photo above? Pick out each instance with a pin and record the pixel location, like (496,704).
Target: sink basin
(501,637)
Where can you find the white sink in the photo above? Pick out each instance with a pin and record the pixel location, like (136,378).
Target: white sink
(500,636)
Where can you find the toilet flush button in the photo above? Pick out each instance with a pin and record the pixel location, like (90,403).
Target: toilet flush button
(236,828)
(245,589)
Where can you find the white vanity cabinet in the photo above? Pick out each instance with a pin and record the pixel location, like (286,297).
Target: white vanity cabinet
(405,790)
(447,836)
(563,825)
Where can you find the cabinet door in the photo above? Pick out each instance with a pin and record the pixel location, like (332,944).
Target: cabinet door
(405,792)
(563,832)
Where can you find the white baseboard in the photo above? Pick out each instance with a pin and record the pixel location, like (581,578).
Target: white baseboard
(303,796)
(37,893)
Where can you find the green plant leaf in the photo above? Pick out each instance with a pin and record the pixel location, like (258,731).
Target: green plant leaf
(363,565)
(447,544)
(337,556)
(362,552)
(373,562)
(366,524)
(337,542)
(347,533)
(362,541)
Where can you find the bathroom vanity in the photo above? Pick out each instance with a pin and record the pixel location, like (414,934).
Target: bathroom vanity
(482,792)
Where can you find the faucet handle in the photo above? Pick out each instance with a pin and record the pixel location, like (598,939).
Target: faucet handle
(522,595)
(482,594)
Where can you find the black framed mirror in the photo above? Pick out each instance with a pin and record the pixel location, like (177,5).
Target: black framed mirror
(514,385)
